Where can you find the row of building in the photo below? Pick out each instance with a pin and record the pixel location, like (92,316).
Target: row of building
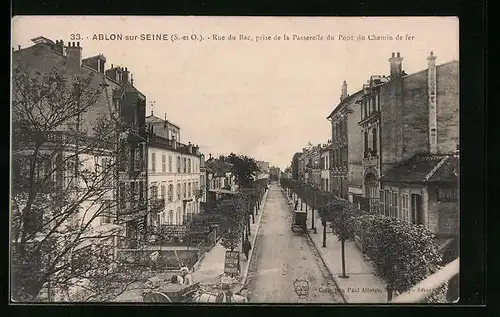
(157,179)
(394,146)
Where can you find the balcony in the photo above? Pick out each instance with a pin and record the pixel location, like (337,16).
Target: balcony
(370,158)
(66,138)
(157,204)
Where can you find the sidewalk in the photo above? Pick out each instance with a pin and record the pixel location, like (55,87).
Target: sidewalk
(362,286)
(212,265)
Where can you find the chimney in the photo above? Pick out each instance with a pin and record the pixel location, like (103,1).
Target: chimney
(125,78)
(132,79)
(343,93)
(396,64)
(190,148)
(432,102)
(74,54)
(209,156)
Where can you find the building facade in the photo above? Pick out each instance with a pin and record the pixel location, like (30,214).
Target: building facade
(404,115)
(117,98)
(346,166)
(174,174)
(326,156)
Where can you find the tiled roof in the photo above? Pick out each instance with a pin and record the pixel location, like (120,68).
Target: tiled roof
(423,168)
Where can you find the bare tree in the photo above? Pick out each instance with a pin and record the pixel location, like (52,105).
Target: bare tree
(63,192)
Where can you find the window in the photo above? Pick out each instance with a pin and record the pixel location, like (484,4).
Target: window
(123,196)
(381,201)
(447,194)
(178,221)
(178,191)
(178,164)
(184,167)
(378,102)
(163,192)
(387,203)
(153,162)
(184,193)
(189,166)
(189,190)
(170,217)
(373,103)
(163,163)
(141,191)
(366,142)
(170,164)
(154,192)
(374,141)
(404,206)
(162,221)
(394,212)
(170,192)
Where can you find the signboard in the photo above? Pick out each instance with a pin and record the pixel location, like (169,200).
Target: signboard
(232,263)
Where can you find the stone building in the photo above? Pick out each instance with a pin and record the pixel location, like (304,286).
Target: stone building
(346,166)
(326,156)
(405,115)
(118,98)
(174,174)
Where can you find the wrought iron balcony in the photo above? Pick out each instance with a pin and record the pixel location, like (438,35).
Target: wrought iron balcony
(157,204)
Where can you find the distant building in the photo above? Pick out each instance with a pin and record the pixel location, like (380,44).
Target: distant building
(325,161)
(346,167)
(174,174)
(221,181)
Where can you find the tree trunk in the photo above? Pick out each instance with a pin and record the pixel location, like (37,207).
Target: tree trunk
(253,217)
(389,292)
(249,230)
(342,243)
(324,234)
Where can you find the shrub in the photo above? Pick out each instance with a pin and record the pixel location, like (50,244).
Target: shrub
(403,253)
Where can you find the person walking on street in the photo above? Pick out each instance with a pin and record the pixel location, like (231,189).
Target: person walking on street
(247,246)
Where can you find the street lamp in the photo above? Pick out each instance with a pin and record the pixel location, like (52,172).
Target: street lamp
(312,210)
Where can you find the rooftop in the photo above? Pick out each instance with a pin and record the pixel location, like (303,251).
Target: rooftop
(425,168)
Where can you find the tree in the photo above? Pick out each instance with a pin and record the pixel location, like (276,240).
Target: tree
(409,255)
(63,180)
(233,216)
(244,169)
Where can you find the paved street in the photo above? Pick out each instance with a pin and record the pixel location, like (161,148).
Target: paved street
(284,259)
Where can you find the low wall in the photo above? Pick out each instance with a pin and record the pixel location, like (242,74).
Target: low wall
(167,259)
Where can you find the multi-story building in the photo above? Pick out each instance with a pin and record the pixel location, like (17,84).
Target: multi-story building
(419,139)
(174,174)
(221,181)
(326,158)
(405,115)
(346,166)
(117,98)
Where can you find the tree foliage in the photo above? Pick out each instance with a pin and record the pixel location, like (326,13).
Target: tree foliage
(234,218)
(403,253)
(244,169)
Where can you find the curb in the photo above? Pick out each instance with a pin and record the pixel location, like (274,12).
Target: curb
(261,211)
(334,276)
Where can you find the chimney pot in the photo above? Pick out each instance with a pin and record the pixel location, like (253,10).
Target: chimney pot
(111,65)
(78,45)
(392,54)
(432,53)
(19,47)
(399,55)
(125,68)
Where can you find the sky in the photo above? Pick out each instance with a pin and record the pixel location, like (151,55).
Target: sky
(266,99)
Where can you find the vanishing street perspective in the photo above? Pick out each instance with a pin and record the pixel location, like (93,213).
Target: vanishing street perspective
(111,202)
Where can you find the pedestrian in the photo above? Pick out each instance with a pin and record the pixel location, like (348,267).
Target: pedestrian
(296,204)
(187,279)
(247,246)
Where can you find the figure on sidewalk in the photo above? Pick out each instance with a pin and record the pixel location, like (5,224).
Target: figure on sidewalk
(247,246)
(187,278)
(296,204)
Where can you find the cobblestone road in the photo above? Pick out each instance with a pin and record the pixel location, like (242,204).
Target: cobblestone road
(286,262)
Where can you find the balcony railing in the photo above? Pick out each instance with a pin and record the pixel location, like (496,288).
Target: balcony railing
(157,204)
(66,138)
